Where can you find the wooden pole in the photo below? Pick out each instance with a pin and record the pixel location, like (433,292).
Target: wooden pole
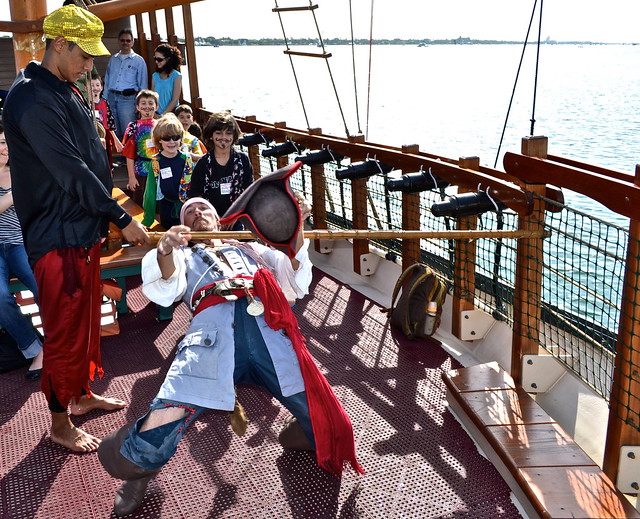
(624,407)
(528,279)
(410,218)
(190,51)
(355,234)
(464,266)
(28,46)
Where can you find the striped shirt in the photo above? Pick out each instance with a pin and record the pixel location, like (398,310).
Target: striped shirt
(10,231)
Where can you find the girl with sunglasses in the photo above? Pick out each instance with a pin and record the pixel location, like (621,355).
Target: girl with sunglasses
(167,81)
(167,188)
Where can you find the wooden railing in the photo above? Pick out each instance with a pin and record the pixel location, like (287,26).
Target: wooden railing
(527,174)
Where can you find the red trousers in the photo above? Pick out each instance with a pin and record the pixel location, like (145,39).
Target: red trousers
(69,297)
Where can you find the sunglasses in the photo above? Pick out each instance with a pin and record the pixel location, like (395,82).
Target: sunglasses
(126,41)
(158,60)
(171,138)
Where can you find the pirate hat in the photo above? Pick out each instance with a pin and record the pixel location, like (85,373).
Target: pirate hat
(269,208)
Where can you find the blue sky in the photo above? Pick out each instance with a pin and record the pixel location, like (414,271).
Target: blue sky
(613,21)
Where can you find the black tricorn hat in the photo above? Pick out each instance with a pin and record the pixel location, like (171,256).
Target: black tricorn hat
(269,208)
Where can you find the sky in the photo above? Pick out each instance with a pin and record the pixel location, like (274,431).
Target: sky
(610,21)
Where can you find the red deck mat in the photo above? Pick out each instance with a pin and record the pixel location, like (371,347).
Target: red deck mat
(419,461)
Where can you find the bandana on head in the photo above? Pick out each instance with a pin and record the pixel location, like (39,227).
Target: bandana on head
(193,200)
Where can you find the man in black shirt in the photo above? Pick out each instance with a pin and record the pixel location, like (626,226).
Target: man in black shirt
(62,195)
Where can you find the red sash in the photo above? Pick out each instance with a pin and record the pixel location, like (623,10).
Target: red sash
(332,429)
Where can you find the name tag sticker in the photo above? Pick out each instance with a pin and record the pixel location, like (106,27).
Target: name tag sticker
(150,143)
(225,189)
(166,173)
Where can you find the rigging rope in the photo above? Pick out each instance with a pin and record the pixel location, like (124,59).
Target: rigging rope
(369,75)
(335,90)
(353,59)
(293,68)
(321,44)
(515,83)
(535,83)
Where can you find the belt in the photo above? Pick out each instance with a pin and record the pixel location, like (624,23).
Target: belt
(126,92)
(223,288)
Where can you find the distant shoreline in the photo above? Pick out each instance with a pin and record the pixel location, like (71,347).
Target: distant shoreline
(307,42)
(210,41)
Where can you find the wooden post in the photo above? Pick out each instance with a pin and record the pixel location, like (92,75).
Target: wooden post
(190,48)
(281,162)
(359,219)
(171,27)
(464,268)
(410,218)
(254,156)
(318,195)
(535,146)
(153,29)
(28,46)
(144,47)
(528,275)
(624,404)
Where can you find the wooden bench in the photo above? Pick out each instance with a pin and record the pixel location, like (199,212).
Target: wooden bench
(118,260)
(550,475)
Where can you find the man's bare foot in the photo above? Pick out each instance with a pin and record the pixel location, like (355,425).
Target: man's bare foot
(86,404)
(64,433)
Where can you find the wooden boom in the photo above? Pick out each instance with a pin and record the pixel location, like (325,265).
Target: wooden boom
(358,234)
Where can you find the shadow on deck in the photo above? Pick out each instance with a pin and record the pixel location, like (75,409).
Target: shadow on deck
(419,461)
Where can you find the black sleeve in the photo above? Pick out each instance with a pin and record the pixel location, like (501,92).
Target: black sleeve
(247,178)
(196,188)
(48,132)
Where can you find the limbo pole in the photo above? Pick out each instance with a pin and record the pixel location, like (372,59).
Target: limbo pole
(358,234)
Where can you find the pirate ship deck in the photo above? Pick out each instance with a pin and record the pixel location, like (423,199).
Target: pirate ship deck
(556,307)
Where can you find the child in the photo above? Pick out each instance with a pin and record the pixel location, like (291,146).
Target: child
(185,115)
(105,117)
(224,172)
(138,144)
(191,142)
(167,187)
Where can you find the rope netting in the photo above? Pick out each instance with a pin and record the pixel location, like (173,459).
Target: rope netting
(582,275)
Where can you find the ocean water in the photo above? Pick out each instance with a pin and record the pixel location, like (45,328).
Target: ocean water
(450,100)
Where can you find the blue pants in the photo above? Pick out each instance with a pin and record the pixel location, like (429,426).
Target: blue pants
(14,262)
(123,109)
(151,449)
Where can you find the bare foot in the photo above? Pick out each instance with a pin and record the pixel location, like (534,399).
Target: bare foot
(86,404)
(64,433)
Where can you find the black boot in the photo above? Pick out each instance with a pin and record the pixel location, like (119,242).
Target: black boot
(130,495)
(292,436)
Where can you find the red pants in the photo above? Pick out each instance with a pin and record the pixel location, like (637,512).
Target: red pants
(69,297)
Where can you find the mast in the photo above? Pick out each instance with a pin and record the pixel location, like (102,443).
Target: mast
(28,46)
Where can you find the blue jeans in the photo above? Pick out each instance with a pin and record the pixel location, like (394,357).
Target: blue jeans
(14,262)
(152,449)
(123,109)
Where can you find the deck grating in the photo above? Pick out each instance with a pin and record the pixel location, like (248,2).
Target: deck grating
(419,461)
